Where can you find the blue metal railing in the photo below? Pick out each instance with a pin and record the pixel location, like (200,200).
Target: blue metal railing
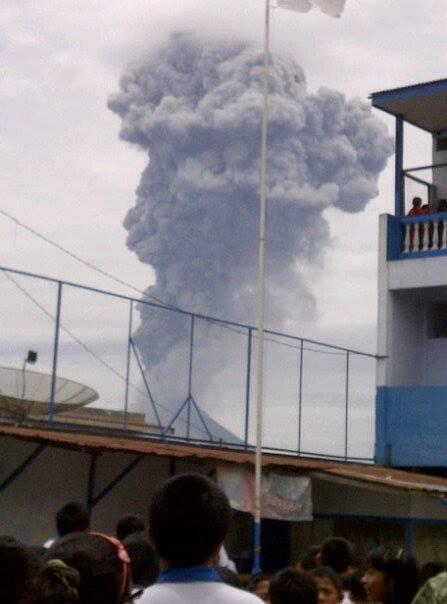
(315,399)
(422,236)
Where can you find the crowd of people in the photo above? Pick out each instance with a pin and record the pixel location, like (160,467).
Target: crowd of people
(179,558)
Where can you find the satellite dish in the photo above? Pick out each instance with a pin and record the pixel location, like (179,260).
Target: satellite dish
(24,392)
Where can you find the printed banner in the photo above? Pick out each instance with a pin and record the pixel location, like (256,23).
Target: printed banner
(284,496)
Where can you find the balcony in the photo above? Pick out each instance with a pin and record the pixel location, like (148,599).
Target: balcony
(412,237)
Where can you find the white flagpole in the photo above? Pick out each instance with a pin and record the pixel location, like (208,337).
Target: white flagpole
(261,298)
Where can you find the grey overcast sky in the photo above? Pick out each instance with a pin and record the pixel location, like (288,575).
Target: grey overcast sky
(65,172)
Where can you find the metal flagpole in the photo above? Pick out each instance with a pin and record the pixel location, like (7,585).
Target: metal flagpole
(261,298)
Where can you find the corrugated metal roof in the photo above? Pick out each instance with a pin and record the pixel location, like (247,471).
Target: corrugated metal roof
(374,474)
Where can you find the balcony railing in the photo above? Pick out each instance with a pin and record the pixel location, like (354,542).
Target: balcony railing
(424,235)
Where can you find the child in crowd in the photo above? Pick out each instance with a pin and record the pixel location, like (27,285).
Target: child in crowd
(85,568)
(292,586)
(18,569)
(329,585)
(390,579)
(188,520)
(259,585)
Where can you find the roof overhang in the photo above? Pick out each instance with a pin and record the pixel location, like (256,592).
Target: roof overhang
(94,442)
(423,105)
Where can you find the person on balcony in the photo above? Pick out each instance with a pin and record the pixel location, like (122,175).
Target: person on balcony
(416,210)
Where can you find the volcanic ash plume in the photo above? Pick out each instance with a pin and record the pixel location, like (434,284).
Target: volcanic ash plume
(195,107)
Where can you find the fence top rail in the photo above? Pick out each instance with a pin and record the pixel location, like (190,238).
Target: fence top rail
(246,327)
(424,218)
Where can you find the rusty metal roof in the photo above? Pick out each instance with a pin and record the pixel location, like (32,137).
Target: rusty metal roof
(78,440)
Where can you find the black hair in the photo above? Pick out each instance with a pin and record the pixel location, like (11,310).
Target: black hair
(337,553)
(127,525)
(291,586)
(308,560)
(72,518)
(143,559)
(401,574)
(18,571)
(416,200)
(353,584)
(188,520)
(431,569)
(228,576)
(326,572)
(255,579)
(97,560)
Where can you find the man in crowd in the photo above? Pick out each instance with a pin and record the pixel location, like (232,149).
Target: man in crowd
(188,520)
(71,518)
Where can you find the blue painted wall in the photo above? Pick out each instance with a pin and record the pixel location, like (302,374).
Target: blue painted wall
(411,426)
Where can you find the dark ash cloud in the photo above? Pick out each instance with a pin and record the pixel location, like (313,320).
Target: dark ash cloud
(195,107)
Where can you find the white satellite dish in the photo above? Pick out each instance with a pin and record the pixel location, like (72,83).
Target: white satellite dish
(24,393)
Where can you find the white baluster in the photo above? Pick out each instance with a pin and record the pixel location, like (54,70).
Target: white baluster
(436,244)
(444,236)
(425,238)
(407,241)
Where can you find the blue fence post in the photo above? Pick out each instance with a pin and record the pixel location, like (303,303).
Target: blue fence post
(347,405)
(191,346)
(300,396)
(399,202)
(129,350)
(247,388)
(55,353)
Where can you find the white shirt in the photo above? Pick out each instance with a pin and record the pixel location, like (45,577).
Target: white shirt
(197,592)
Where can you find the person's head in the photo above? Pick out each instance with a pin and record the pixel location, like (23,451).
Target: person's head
(143,559)
(337,553)
(329,585)
(57,583)
(259,585)
(353,584)
(102,563)
(390,579)
(127,525)
(292,586)
(19,567)
(188,519)
(417,202)
(72,518)
(431,569)
(309,560)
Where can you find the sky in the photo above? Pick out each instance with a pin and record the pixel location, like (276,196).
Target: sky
(65,172)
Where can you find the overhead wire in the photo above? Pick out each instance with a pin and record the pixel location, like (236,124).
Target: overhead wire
(120,281)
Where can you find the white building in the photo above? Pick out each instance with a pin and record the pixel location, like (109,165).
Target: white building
(411,404)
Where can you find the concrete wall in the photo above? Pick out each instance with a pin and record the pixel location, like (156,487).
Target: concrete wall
(414,273)
(407,292)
